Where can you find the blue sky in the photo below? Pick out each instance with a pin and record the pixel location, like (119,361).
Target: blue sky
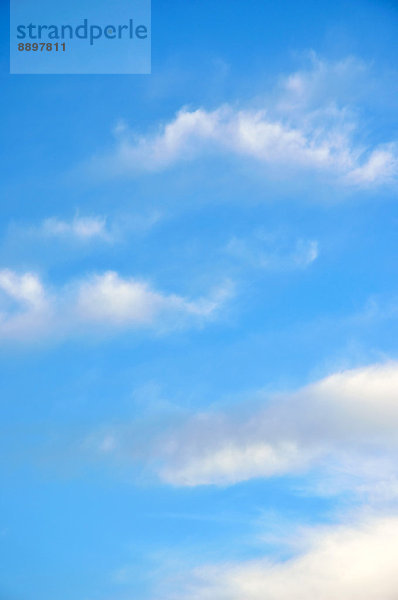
(198,313)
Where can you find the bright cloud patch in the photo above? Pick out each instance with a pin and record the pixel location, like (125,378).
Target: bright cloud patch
(110,298)
(356,562)
(382,165)
(25,305)
(28,309)
(345,423)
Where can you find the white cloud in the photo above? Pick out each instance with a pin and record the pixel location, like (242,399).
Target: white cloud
(233,462)
(25,305)
(247,133)
(100,302)
(82,228)
(26,289)
(349,562)
(110,298)
(344,425)
(382,164)
(290,132)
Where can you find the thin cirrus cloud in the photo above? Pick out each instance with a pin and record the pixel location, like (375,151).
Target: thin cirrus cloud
(79,228)
(344,424)
(269,252)
(288,131)
(85,230)
(100,302)
(355,561)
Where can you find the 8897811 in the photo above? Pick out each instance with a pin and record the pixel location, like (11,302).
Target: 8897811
(42,47)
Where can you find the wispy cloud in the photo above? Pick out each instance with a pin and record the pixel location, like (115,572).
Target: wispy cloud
(332,423)
(381,165)
(343,425)
(113,299)
(272,252)
(81,228)
(287,132)
(323,85)
(82,231)
(104,302)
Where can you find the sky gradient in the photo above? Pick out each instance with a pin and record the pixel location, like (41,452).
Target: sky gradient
(198,312)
